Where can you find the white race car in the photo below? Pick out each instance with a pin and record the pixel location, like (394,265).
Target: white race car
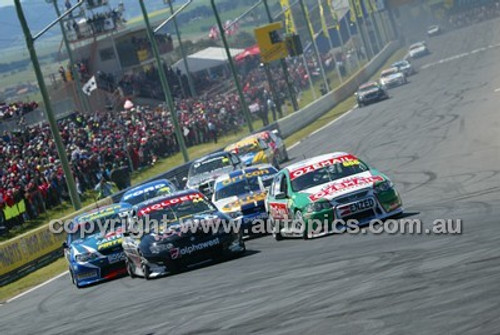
(392,77)
(433,30)
(418,49)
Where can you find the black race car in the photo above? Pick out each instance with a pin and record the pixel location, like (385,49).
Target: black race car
(175,231)
(370,92)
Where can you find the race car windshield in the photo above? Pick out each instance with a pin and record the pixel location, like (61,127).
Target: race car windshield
(400,64)
(368,88)
(209,165)
(149,195)
(247,185)
(185,209)
(327,174)
(248,148)
(88,229)
(389,73)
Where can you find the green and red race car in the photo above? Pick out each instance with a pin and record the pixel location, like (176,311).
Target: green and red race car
(332,189)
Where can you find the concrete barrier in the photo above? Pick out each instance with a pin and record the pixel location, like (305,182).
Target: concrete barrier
(298,120)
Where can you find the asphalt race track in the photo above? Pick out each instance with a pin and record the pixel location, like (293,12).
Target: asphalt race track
(438,138)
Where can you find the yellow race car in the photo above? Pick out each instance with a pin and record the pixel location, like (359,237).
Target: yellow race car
(254,150)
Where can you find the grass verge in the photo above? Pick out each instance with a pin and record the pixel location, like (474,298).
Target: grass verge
(53,269)
(35,278)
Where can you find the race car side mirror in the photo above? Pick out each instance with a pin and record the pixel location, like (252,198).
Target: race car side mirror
(280,195)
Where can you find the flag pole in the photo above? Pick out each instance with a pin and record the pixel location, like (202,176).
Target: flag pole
(315,46)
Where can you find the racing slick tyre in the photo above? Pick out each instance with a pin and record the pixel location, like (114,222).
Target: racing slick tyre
(276,164)
(146,271)
(73,279)
(360,104)
(130,269)
(276,230)
(300,218)
(285,158)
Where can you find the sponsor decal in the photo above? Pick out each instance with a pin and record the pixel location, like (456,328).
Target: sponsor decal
(188,250)
(193,197)
(333,188)
(278,210)
(255,198)
(161,186)
(115,258)
(174,253)
(99,214)
(356,207)
(105,244)
(347,159)
(256,173)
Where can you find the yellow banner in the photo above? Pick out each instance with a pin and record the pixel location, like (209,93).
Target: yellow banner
(333,13)
(370,6)
(359,8)
(352,9)
(19,251)
(322,18)
(289,23)
(308,19)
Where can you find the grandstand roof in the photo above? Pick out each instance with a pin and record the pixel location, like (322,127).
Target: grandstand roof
(206,59)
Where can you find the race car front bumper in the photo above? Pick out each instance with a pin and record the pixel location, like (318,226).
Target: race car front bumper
(369,206)
(188,253)
(85,274)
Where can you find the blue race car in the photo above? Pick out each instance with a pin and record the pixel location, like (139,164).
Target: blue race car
(241,194)
(148,191)
(93,248)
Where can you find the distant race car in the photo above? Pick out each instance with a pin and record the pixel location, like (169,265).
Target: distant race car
(369,93)
(418,49)
(405,66)
(392,77)
(174,245)
(336,186)
(275,142)
(241,194)
(433,30)
(203,171)
(147,191)
(253,150)
(95,255)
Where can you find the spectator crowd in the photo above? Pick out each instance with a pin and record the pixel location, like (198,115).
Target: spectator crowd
(105,147)
(16,109)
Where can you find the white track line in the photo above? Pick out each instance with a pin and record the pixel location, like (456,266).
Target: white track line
(459,56)
(37,287)
(320,129)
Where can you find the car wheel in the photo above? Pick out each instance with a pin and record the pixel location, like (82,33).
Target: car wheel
(130,269)
(360,104)
(276,230)
(73,279)
(299,217)
(285,154)
(275,163)
(146,271)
